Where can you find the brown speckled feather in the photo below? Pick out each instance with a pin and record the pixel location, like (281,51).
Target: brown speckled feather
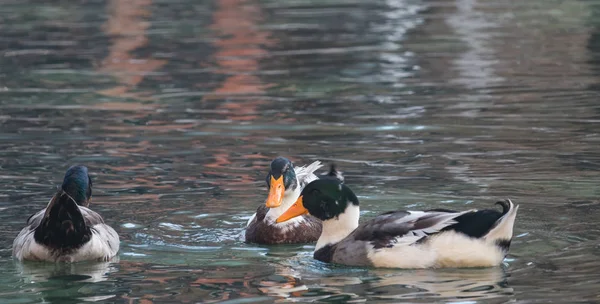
(260,232)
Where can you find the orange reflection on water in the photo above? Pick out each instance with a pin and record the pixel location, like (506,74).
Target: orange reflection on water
(203,284)
(133,109)
(221,160)
(127,26)
(238,51)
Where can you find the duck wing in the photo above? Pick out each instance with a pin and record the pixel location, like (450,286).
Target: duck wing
(480,223)
(35,219)
(90,217)
(404,227)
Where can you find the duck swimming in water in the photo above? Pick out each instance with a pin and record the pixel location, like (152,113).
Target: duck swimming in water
(403,239)
(285,182)
(67,230)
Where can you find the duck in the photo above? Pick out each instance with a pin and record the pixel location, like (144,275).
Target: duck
(436,238)
(67,230)
(285,182)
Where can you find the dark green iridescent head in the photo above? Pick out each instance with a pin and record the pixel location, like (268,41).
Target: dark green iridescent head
(327,198)
(282,166)
(78,184)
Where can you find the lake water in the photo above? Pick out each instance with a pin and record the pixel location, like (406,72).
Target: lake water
(177,107)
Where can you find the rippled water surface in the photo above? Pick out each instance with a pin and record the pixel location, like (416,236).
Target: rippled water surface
(177,107)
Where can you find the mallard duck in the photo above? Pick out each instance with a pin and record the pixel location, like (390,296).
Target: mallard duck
(67,230)
(403,239)
(285,182)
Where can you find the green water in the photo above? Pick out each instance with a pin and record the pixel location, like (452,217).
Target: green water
(177,108)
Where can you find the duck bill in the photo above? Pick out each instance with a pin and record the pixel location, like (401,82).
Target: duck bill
(276,192)
(297,209)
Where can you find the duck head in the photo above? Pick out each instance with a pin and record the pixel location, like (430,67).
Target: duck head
(333,203)
(281,181)
(78,184)
(325,199)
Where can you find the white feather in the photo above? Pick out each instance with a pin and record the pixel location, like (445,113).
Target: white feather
(338,228)
(447,249)
(306,174)
(103,245)
(251,219)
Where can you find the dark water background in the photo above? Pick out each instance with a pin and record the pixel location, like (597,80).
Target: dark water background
(177,107)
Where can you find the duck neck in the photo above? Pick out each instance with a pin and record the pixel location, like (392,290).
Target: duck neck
(289,198)
(338,228)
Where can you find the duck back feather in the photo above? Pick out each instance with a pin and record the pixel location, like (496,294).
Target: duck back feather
(63,226)
(65,231)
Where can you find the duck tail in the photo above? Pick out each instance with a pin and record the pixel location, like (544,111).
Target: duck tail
(502,231)
(334,173)
(63,225)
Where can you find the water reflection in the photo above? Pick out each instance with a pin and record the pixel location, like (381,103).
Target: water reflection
(475,65)
(299,278)
(127,26)
(211,284)
(421,285)
(67,283)
(33,272)
(464,284)
(239,46)
(178,106)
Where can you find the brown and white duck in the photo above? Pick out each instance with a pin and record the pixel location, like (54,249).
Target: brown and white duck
(285,182)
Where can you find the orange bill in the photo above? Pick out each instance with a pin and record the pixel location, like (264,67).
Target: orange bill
(276,191)
(297,209)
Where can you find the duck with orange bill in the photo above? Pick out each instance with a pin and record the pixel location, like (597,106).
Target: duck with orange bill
(403,239)
(285,182)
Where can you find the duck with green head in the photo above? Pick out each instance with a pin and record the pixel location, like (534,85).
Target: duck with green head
(403,239)
(67,230)
(284,182)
